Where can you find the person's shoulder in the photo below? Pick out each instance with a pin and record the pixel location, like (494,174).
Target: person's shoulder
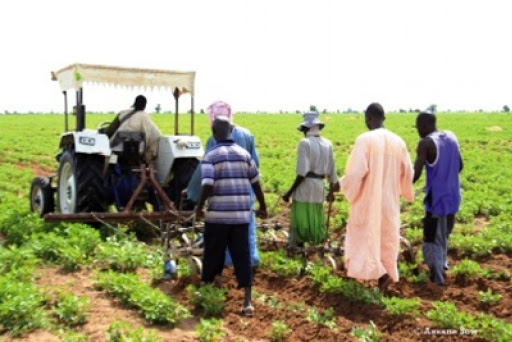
(124,112)
(450,134)
(426,142)
(239,150)
(364,137)
(325,140)
(243,130)
(304,142)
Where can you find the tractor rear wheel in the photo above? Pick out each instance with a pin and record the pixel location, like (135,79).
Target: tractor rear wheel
(41,196)
(182,170)
(81,185)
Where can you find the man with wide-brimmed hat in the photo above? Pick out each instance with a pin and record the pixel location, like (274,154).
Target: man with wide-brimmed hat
(315,161)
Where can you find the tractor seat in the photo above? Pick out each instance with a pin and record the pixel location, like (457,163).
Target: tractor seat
(130,147)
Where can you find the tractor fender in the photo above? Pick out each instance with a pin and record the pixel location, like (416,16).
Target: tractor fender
(87,141)
(172,147)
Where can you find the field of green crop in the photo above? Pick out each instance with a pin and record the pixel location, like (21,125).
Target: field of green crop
(71,282)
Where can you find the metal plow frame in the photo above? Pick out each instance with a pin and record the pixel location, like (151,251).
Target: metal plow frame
(127,215)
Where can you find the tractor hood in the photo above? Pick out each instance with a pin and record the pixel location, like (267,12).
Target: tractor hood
(73,76)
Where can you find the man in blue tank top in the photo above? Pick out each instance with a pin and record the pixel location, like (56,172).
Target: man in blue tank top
(439,153)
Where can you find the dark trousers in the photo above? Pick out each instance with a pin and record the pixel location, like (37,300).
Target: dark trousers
(436,230)
(236,238)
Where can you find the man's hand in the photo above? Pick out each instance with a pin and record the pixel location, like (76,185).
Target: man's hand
(286,196)
(330,197)
(262,213)
(199,213)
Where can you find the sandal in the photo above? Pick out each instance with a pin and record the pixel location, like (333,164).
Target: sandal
(247,311)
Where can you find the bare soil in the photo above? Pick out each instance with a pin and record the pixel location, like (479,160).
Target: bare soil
(287,292)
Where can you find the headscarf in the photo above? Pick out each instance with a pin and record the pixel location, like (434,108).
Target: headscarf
(220,108)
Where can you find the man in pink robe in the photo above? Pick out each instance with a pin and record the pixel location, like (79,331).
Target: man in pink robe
(378,172)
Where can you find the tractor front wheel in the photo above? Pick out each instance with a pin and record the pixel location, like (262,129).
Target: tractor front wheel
(41,196)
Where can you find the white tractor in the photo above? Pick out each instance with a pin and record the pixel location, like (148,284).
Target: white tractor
(88,180)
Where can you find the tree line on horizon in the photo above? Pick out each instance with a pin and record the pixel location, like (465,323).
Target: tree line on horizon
(158,110)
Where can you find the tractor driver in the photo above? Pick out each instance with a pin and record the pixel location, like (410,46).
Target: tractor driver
(138,121)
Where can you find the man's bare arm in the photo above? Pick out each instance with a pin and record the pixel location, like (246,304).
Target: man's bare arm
(295,185)
(421,158)
(206,192)
(262,210)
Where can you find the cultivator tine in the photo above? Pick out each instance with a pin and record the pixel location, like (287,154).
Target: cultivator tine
(149,223)
(327,225)
(195,265)
(408,252)
(102,221)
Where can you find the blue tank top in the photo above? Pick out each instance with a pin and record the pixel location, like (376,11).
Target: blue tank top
(443,185)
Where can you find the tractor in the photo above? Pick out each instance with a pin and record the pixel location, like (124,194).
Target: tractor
(91,177)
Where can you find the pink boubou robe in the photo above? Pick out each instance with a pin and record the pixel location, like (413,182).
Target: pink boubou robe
(378,171)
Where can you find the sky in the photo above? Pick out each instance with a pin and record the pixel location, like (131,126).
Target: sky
(266,55)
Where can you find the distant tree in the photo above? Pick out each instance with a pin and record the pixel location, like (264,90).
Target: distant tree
(201,111)
(402,111)
(297,111)
(417,111)
(158,108)
(324,111)
(506,108)
(432,108)
(313,108)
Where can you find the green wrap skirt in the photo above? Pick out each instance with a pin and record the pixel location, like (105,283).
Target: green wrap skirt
(307,223)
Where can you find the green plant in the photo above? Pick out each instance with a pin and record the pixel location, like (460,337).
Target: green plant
(368,334)
(279,331)
(348,288)
(71,310)
(124,255)
(495,274)
(21,309)
(119,331)
(13,258)
(210,330)
(72,336)
(280,263)
(327,318)
(493,329)
(207,297)
(152,303)
(414,235)
(412,273)
(296,306)
(402,306)
(447,316)
(488,297)
(467,269)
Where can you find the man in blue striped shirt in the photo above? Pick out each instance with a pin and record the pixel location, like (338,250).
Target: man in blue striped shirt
(228,174)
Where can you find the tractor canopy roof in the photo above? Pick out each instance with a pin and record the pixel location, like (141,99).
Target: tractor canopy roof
(73,76)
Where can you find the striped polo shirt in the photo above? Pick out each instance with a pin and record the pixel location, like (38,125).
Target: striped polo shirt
(231,171)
